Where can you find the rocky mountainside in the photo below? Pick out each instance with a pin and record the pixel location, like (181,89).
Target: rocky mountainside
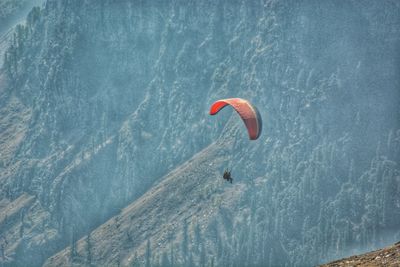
(162,222)
(105,136)
(389,256)
(12,12)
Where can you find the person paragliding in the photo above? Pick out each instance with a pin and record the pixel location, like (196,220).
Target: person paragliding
(249,114)
(227,176)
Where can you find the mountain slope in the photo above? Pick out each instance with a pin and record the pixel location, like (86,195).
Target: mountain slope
(102,99)
(188,210)
(192,193)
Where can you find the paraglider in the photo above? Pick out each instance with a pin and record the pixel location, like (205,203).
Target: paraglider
(249,114)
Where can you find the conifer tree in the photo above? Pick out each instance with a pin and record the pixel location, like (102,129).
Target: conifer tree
(202,260)
(73,244)
(88,250)
(185,243)
(148,254)
(164,260)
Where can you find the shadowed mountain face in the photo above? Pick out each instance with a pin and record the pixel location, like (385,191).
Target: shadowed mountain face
(104,106)
(12,12)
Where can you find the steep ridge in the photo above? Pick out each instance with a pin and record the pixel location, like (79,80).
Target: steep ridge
(13,124)
(192,194)
(115,95)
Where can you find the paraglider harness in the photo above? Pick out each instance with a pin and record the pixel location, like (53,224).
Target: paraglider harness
(227,176)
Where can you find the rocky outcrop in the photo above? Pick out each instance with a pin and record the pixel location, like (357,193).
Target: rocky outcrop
(389,256)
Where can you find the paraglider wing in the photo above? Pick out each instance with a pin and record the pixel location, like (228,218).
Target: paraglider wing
(249,114)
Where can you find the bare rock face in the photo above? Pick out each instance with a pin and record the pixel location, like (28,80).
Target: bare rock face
(108,155)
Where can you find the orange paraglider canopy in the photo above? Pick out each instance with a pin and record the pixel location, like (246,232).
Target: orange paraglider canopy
(249,114)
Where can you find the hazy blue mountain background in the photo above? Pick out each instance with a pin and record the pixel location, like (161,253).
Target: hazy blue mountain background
(105,135)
